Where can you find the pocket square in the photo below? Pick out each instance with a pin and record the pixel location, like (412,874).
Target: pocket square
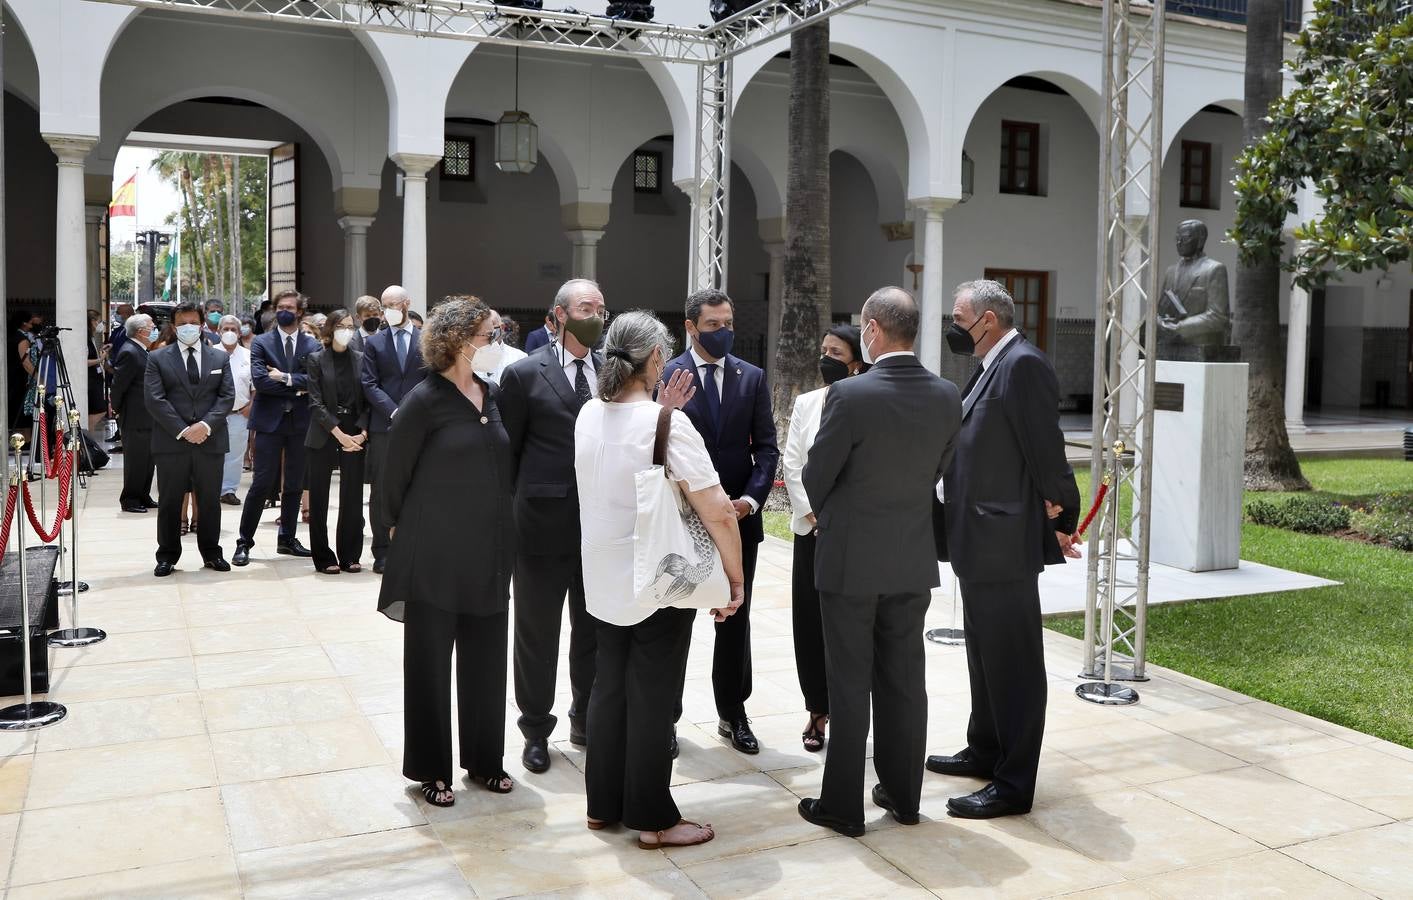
(215,371)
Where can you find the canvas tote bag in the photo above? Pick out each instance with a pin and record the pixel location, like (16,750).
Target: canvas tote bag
(675,562)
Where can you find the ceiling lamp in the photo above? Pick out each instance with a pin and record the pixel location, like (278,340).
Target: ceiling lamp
(517,135)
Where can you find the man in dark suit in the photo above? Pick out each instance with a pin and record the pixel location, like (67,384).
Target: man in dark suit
(279,419)
(392,366)
(1011,507)
(731,411)
(134,421)
(540,336)
(189,392)
(884,439)
(540,397)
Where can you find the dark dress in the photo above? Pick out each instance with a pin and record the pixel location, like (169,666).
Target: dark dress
(97,386)
(335,400)
(446,489)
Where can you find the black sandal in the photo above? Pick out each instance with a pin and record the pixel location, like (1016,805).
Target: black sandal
(813,736)
(494,783)
(430,792)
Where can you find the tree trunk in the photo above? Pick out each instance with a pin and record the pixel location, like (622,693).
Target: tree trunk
(806,302)
(233,227)
(194,214)
(211,186)
(1270,461)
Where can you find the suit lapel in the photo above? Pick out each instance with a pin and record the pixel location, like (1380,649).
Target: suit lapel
(551,371)
(986,377)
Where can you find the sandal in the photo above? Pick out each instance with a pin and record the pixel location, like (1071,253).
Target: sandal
(660,843)
(186,528)
(330,570)
(304,515)
(813,736)
(597,824)
(496,784)
(430,790)
(353,567)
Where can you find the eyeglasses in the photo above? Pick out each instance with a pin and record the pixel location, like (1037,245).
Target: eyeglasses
(495,335)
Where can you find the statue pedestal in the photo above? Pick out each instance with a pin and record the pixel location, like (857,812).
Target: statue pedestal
(1199,445)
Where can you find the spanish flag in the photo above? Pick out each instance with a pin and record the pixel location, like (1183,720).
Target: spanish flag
(124,201)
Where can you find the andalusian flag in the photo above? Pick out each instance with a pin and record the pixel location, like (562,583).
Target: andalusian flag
(124,201)
(173,255)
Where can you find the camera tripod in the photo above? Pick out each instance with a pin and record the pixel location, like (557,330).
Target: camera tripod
(51,360)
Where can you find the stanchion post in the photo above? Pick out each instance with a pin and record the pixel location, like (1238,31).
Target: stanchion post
(74,636)
(32,713)
(950,637)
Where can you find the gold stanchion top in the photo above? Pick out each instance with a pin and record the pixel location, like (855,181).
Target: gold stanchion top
(17,442)
(74,417)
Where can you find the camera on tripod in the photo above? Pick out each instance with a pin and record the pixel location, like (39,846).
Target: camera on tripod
(48,335)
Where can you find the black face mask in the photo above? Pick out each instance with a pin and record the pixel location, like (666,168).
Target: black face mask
(371,324)
(959,339)
(832,370)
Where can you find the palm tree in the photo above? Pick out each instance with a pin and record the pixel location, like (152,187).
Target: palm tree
(175,167)
(1270,462)
(806,303)
(233,229)
(211,186)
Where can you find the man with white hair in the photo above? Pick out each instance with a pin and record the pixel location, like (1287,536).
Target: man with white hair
(134,421)
(237,423)
(392,366)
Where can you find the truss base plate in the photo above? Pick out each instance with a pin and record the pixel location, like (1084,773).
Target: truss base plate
(77,637)
(27,717)
(951,637)
(67,587)
(1106,693)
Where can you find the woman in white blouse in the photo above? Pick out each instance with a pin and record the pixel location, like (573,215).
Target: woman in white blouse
(840,357)
(641,649)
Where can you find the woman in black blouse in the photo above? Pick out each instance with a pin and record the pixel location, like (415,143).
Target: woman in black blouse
(338,428)
(446,491)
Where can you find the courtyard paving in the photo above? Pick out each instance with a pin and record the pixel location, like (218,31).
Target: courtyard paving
(239,735)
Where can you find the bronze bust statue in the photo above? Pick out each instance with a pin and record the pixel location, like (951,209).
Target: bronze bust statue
(1194,315)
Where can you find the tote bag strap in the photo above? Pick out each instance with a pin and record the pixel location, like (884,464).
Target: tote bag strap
(664,426)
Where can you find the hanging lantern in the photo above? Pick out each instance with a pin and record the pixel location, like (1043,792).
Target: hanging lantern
(517,135)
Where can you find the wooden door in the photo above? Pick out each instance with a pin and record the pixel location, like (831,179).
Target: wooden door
(282,239)
(1031,291)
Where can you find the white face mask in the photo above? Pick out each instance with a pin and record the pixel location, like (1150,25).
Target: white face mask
(342,336)
(229,338)
(488,358)
(867,353)
(393,317)
(188,334)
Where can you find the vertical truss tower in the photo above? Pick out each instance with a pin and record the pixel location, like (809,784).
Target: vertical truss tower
(1130,160)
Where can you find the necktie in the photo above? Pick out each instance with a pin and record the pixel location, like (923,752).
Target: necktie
(581,383)
(401,335)
(713,397)
(193,371)
(289,353)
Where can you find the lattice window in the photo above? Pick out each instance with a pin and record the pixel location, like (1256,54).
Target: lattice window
(647,172)
(459,159)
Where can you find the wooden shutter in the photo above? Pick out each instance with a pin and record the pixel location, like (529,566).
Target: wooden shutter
(282,241)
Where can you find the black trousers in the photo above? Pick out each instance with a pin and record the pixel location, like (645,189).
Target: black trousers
(138,466)
(874,645)
(269,446)
(731,652)
(628,771)
(808,628)
(541,583)
(428,636)
(198,472)
(1006,661)
(377,449)
(348,540)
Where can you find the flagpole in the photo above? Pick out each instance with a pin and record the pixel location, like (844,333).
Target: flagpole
(178,242)
(136,294)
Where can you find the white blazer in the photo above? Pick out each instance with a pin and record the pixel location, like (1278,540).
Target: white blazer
(804,425)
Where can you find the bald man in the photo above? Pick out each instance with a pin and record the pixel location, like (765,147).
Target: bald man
(392,366)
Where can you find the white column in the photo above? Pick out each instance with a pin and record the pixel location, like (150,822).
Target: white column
(93,220)
(70,273)
(1296,346)
(933,307)
(415,167)
(355,256)
(585,262)
(773,301)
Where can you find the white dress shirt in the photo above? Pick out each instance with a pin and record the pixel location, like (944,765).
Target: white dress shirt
(986,362)
(893,353)
(240,375)
(804,426)
(718,379)
(571,371)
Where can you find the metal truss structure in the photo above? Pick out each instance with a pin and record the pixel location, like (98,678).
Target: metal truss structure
(1125,338)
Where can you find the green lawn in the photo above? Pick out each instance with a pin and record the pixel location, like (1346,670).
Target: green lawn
(1344,654)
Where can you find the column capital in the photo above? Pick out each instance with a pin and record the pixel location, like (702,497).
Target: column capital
(774,249)
(932,207)
(415,165)
(585,237)
(694,189)
(355,224)
(72,149)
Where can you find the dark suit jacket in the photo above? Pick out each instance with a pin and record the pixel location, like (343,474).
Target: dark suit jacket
(1010,459)
(280,407)
(323,395)
(174,402)
(884,439)
(539,408)
(385,383)
(536,339)
(743,448)
(128,390)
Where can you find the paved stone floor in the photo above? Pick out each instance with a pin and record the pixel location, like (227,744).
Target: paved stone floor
(240,735)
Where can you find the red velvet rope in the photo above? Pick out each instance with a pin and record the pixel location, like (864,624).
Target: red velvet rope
(52,458)
(67,462)
(1093,510)
(10,498)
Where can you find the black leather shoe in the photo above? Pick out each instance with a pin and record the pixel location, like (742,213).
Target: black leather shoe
(230,499)
(812,812)
(293,547)
(674,750)
(150,503)
(242,554)
(162,570)
(536,756)
(739,733)
(132,508)
(578,738)
(883,801)
(984,804)
(963,765)
(378,566)
(219,564)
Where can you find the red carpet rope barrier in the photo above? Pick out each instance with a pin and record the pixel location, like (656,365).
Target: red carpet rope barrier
(1093,510)
(11,496)
(65,466)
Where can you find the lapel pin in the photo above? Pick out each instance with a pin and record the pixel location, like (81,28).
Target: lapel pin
(738,371)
